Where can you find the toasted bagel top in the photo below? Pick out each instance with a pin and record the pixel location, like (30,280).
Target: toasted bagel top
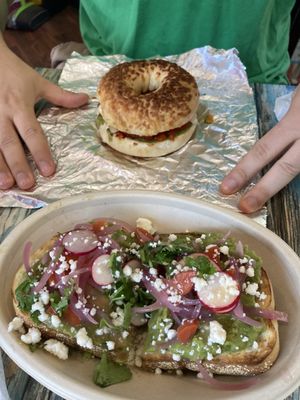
(147,97)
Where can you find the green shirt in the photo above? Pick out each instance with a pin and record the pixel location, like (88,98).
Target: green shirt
(259,29)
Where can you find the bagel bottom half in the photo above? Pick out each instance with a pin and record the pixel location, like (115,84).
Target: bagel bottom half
(140,148)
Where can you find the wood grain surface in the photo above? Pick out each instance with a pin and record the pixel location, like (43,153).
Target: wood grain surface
(283,219)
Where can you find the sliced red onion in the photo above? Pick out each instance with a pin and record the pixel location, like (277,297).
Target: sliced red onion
(152,307)
(239,314)
(63,281)
(80,241)
(185,312)
(205,375)
(87,227)
(239,249)
(160,295)
(57,250)
(143,236)
(26,256)
(268,314)
(190,302)
(46,275)
(92,283)
(225,237)
(79,311)
(115,225)
(196,312)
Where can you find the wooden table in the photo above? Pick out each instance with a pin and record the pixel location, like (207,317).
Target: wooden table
(283,219)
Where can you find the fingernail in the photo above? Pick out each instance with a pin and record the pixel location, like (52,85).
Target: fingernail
(229,185)
(46,168)
(250,204)
(6,180)
(24,180)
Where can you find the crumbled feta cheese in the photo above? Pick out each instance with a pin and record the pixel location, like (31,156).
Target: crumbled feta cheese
(262,296)
(33,336)
(38,306)
(138,361)
(137,275)
(153,271)
(16,324)
(176,357)
(217,333)
(117,317)
(110,344)
(172,237)
(251,288)
(145,224)
(125,334)
(159,284)
(242,269)
(250,272)
(55,321)
(255,345)
(171,334)
(209,356)
(245,339)
(102,331)
(83,339)
(158,371)
(224,250)
(43,317)
(57,348)
(44,297)
(199,283)
(127,270)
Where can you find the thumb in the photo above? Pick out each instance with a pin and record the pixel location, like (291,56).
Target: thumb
(60,97)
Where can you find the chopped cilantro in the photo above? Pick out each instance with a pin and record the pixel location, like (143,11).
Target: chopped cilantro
(59,302)
(203,265)
(24,295)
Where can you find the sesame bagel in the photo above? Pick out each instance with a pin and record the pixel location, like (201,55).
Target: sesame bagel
(151,99)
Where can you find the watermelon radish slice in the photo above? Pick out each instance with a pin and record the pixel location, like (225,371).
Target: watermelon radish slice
(80,241)
(220,293)
(101,271)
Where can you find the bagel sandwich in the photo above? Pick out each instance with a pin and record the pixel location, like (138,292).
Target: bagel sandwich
(143,300)
(147,108)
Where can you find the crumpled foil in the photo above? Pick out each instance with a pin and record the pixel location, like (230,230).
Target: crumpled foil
(84,164)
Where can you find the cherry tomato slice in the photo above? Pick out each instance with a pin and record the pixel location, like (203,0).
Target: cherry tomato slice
(183,282)
(70,317)
(213,253)
(143,235)
(187,330)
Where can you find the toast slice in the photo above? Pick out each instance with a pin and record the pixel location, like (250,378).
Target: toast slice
(251,360)
(246,350)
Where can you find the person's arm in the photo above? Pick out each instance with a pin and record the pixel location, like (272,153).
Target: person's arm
(20,88)
(281,143)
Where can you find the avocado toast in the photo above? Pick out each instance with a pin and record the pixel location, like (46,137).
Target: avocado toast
(197,301)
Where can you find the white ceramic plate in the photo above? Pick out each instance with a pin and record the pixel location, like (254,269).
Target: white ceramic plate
(72,379)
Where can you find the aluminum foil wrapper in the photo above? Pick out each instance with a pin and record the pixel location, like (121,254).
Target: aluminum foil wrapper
(84,164)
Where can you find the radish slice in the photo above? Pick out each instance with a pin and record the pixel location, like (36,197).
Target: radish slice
(101,271)
(220,292)
(80,241)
